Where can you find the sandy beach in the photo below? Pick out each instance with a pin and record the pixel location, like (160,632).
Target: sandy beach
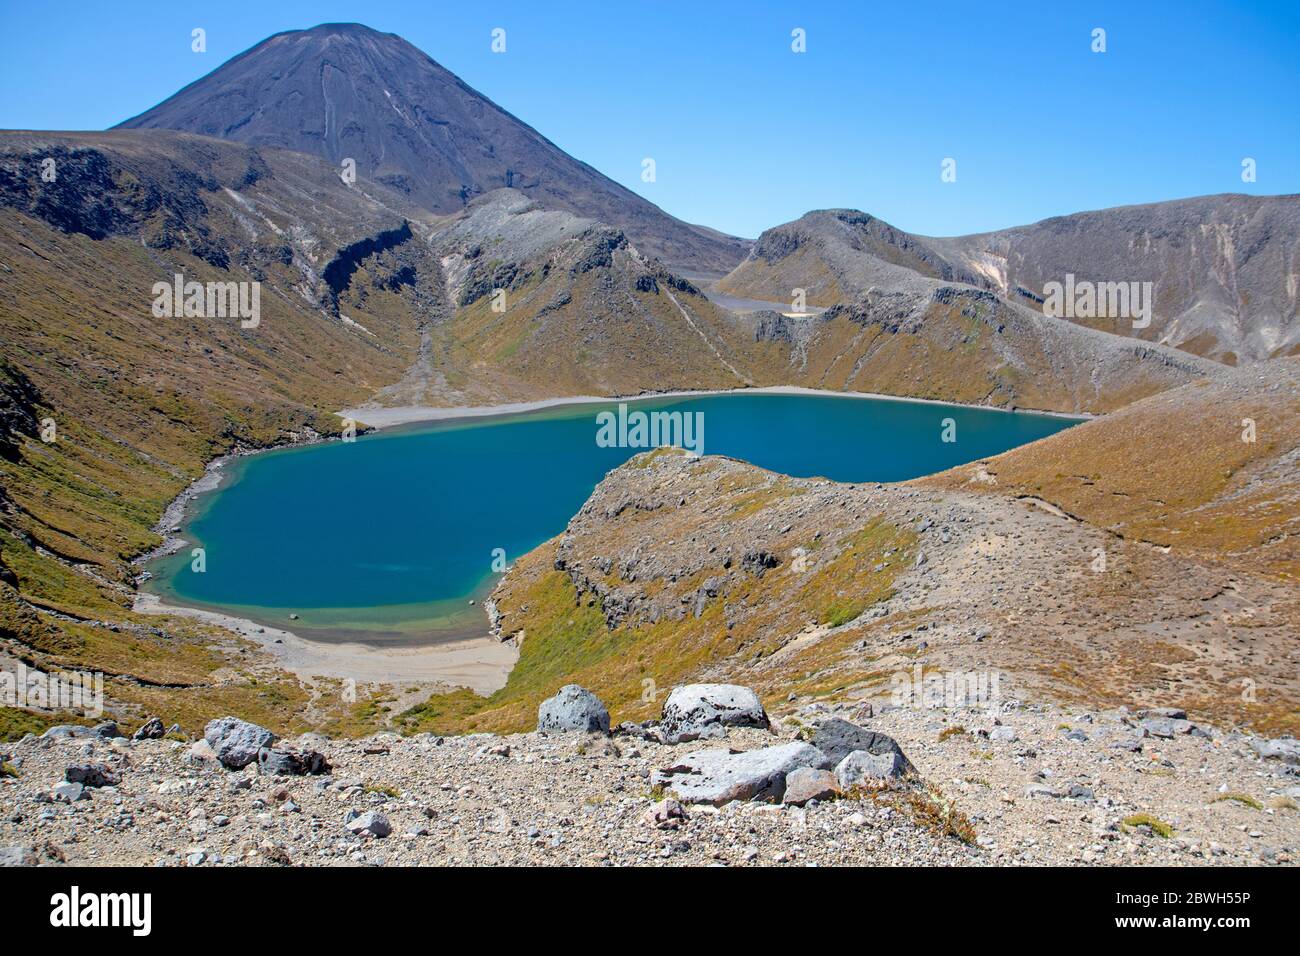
(387,417)
(480,663)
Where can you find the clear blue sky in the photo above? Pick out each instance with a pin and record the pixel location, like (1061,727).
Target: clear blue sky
(747,134)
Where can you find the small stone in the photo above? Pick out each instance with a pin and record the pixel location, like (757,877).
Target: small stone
(804,784)
(151,729)
(69,793)
(373,823)
(667,814)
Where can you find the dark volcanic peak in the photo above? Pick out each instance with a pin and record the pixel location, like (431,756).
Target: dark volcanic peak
(345,91)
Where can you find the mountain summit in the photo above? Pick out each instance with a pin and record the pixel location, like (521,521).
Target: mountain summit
(345,91)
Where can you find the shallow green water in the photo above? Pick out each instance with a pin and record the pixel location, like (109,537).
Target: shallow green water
(389,537)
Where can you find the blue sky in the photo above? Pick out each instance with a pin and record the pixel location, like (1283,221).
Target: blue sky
(747,134)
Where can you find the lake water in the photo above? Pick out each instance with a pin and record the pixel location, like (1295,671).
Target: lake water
(389,537)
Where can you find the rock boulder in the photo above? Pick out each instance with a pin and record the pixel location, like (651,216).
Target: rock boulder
(720,776)
(692,710)
(838,738)
(236,742)
(573,708)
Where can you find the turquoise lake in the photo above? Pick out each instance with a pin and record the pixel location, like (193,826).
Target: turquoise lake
(389,537)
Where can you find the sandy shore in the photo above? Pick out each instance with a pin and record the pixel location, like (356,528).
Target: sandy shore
(381,417)
(481,664)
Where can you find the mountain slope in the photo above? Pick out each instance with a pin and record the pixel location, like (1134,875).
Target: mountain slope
(834,255)
(540,303)
(346,91)
(140,402)
(930,339)
(1225,269)
(1138,473)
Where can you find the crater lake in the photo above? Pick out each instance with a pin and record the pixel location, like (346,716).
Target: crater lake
(389,538)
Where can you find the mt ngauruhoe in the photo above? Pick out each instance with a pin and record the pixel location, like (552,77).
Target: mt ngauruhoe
(345,91)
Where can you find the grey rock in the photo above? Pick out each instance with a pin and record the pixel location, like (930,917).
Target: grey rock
(284,762)
(107,730)
(236,742)
(861,767)
(1166,727)
(151,729)
(372,822)
(69,793)
(65,732)
(694,709)
(838,738)
(1003,734)
(808,783)
(1283,748)
(720,776)
(1171,713)
(573,708)
(92,774)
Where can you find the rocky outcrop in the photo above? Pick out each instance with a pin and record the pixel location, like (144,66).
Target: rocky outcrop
(862,767)
(338,272)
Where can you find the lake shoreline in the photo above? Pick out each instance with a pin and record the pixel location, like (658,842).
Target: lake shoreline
(381,417)
(480,663)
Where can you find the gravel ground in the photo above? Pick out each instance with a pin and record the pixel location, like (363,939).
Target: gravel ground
(566,799)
